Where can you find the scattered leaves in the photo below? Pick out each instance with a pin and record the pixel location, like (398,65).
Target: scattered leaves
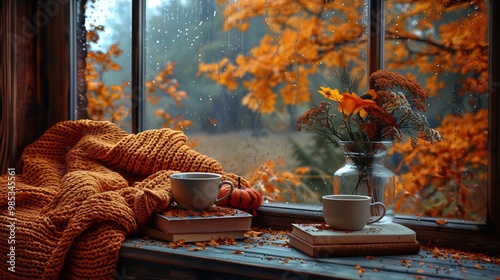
(441,222)
(478,266)
(406,263)
(237,252)
(253,233)
(360,269)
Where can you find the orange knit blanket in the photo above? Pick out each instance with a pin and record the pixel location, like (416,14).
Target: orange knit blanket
(84,187)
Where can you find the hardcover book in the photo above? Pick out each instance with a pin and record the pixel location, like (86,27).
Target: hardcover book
(192,237)
(321,234)
(348,250)
(216,219)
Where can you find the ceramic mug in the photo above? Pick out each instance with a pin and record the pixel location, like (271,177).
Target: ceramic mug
(197,190)
(350,212)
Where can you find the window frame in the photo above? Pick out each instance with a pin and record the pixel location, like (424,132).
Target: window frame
(485,238)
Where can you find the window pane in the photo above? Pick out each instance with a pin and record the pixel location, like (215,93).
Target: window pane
(235,77)
(105,41)
(444,45)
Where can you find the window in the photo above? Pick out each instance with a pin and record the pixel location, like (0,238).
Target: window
(235,76)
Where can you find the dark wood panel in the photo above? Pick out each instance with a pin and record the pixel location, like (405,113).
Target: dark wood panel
(34,69)
(20,96)
(55,66)
(6,79)
(27,100)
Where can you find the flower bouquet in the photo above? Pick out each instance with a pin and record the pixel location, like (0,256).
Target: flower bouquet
(366,128)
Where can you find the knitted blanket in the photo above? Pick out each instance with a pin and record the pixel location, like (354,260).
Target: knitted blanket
(85,186)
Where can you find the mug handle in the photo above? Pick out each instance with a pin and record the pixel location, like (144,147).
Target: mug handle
(374,219)
(228,194)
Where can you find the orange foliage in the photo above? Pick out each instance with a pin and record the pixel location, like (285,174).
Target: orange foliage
(462,46)
(177,123)
(453,170)
(303,34)
(163,82)
(111,102)
(104,102)
(299,39)
(277,185)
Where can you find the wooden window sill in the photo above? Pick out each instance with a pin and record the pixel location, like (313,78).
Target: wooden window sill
(271,259)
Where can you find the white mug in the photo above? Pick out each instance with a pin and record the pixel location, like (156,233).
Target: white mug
(197,190)
(350,212)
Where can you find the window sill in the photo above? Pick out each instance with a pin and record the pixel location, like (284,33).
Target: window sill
(271,258)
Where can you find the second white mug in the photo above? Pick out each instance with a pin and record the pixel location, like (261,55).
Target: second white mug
(350,212)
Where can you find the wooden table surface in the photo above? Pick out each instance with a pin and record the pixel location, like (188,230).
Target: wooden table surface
(269,257)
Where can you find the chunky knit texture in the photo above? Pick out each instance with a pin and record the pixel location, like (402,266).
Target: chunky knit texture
(85,186)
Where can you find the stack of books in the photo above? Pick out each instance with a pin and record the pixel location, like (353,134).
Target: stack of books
(190,225)
(319,240)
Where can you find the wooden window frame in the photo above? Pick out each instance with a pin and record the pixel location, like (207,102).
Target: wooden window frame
(485,238)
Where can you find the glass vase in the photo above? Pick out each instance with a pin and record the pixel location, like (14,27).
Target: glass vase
(364,173)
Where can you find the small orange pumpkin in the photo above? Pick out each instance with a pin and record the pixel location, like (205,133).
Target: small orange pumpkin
(246,199)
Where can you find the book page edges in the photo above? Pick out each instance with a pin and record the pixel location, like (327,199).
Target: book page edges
(176,226)
(322,237)
(346,250)
(192,237)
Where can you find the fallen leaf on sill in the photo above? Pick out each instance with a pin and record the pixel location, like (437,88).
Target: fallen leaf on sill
(253,233)
(360,269)
(441,222)
(478,266)
(486,259)
(406,263)
(238,252)
(201,244)
(456,256)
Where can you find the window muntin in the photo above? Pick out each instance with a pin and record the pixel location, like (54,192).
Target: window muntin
(258,143)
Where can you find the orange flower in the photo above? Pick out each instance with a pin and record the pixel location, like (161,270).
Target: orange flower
(352,104)
(332,94)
